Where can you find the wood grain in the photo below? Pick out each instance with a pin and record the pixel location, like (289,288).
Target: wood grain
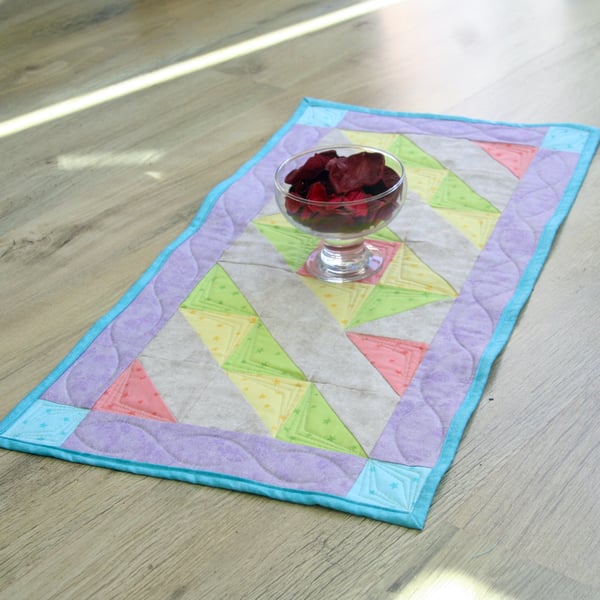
(515,518)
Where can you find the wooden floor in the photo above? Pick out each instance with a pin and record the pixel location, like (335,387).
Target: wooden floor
(88,199)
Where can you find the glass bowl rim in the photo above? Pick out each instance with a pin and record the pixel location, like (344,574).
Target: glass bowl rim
(341,203)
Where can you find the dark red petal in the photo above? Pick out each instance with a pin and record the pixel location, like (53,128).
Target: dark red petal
(390,178)
(350,173)
(311,169)
(291,176)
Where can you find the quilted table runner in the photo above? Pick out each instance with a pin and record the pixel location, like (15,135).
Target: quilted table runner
(227,365)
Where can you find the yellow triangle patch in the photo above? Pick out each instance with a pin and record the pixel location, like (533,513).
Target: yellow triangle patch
(222,333)
(342,301)
(424,181)
(273,398)
(384,141)
(407,270)
(475,225)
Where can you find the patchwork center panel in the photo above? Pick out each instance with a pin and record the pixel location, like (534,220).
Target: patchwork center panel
(220,361)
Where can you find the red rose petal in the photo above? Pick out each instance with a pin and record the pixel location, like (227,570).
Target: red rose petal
(349,173)
(338,192)
(356,195)
(317,192)
(360,210)
(311,169)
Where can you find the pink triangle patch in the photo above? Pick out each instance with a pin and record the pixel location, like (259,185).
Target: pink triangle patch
(396,360)
(132,393)
(515,157)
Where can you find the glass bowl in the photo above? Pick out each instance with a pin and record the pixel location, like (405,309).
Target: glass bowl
(318,192)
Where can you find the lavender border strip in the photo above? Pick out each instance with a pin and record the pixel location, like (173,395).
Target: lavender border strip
(471,130)
(416,431)
(176,445)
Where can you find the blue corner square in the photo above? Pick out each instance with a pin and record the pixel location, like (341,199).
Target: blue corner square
(46,423)
(320,116)
(565,139)
(388,485)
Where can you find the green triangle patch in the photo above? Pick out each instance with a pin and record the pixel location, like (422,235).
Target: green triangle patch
(314,423)
(410,154)
(385,301)
(260,354)
(292,244)
(216,292)
(454,193)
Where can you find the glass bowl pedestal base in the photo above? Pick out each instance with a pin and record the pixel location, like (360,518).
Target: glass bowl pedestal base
(343,261)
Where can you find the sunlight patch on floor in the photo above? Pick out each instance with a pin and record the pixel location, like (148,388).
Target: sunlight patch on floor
(187,67)
(449,585)
(100,160)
